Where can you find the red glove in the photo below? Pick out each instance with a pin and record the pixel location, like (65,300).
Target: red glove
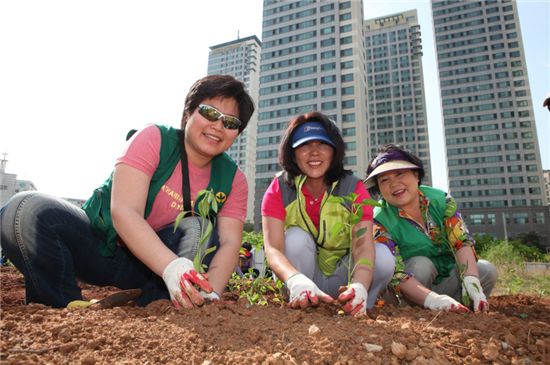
(472,286)
(354,299)
(304,292)
(180,277)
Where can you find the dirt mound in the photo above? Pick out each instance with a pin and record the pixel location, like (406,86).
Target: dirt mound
(516,331)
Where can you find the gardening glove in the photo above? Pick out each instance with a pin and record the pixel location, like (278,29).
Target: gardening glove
(304,292)
(180,277)
(212,296)
(472,287)
(354,299)
(437,302)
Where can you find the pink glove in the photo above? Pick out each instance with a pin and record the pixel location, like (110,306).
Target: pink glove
(472,286)
(354,299)
(304,292)
(438,302)
(180,277)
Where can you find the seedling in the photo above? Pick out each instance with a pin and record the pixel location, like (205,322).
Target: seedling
(206,203)
(256,290)
(346,228)
(461,268)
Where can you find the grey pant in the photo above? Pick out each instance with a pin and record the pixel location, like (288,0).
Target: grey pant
(301,251)
(425,272)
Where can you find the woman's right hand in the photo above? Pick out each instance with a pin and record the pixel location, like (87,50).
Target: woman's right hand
(436,301)
(304,293)
(180,278)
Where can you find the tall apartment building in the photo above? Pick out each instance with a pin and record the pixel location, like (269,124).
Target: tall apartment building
(546,178)
(494,162)
(395,85)
(312,60)
(241,59)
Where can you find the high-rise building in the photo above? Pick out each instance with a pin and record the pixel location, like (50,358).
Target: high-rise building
(313,59)
(546,178)
(494,163)
(241,58)
(396,106)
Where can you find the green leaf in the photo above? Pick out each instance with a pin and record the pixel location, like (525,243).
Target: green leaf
(371,202)
(179,217)
(209,249)
(197,263)
(360,232)
(466,299)
(207,231)
(364,261)
(335,199)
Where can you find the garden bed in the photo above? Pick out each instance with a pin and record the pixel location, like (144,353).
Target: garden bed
(516,331)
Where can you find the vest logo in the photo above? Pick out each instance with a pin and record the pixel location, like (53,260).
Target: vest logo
(221,197)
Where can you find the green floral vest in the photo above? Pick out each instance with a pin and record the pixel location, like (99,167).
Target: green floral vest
(411,241)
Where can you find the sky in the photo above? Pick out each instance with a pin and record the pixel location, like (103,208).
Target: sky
(76,75)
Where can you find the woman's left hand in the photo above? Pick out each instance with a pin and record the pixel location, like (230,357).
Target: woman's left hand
(472,286)
(354,299)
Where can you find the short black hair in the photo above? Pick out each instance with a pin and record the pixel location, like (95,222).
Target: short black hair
(224,86)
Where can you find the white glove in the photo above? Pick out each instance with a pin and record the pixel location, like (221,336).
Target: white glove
(180,277)
(212,296)
(437,302)
(304,292)
(472,287)
(354,299)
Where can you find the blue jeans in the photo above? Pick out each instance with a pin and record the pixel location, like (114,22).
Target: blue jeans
(52,243)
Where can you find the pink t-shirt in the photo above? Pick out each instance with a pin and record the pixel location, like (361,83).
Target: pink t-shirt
(142,152)
(272,203)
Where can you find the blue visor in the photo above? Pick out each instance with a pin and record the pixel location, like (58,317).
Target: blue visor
(310,131)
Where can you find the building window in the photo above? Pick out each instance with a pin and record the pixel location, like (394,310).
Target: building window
(520,218)
(477,219)
(539,217)
(348,104)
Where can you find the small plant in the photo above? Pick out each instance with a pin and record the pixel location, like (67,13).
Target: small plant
(346,228)
(258,290)
(458,235)
(206,202)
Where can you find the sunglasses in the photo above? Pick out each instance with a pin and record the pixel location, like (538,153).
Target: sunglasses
(213,114)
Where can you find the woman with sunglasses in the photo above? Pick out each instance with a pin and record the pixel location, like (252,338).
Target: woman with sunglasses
(125,236)
(304,246)
(423,225)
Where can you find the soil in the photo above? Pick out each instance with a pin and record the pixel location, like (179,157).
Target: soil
(515,331)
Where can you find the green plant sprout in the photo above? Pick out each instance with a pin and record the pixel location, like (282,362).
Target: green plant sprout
(346,228)
(206,202)
(461,271)
(256,290)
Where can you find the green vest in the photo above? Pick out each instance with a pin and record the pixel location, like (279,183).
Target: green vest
(411,241)
(98,206)
(330,248)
